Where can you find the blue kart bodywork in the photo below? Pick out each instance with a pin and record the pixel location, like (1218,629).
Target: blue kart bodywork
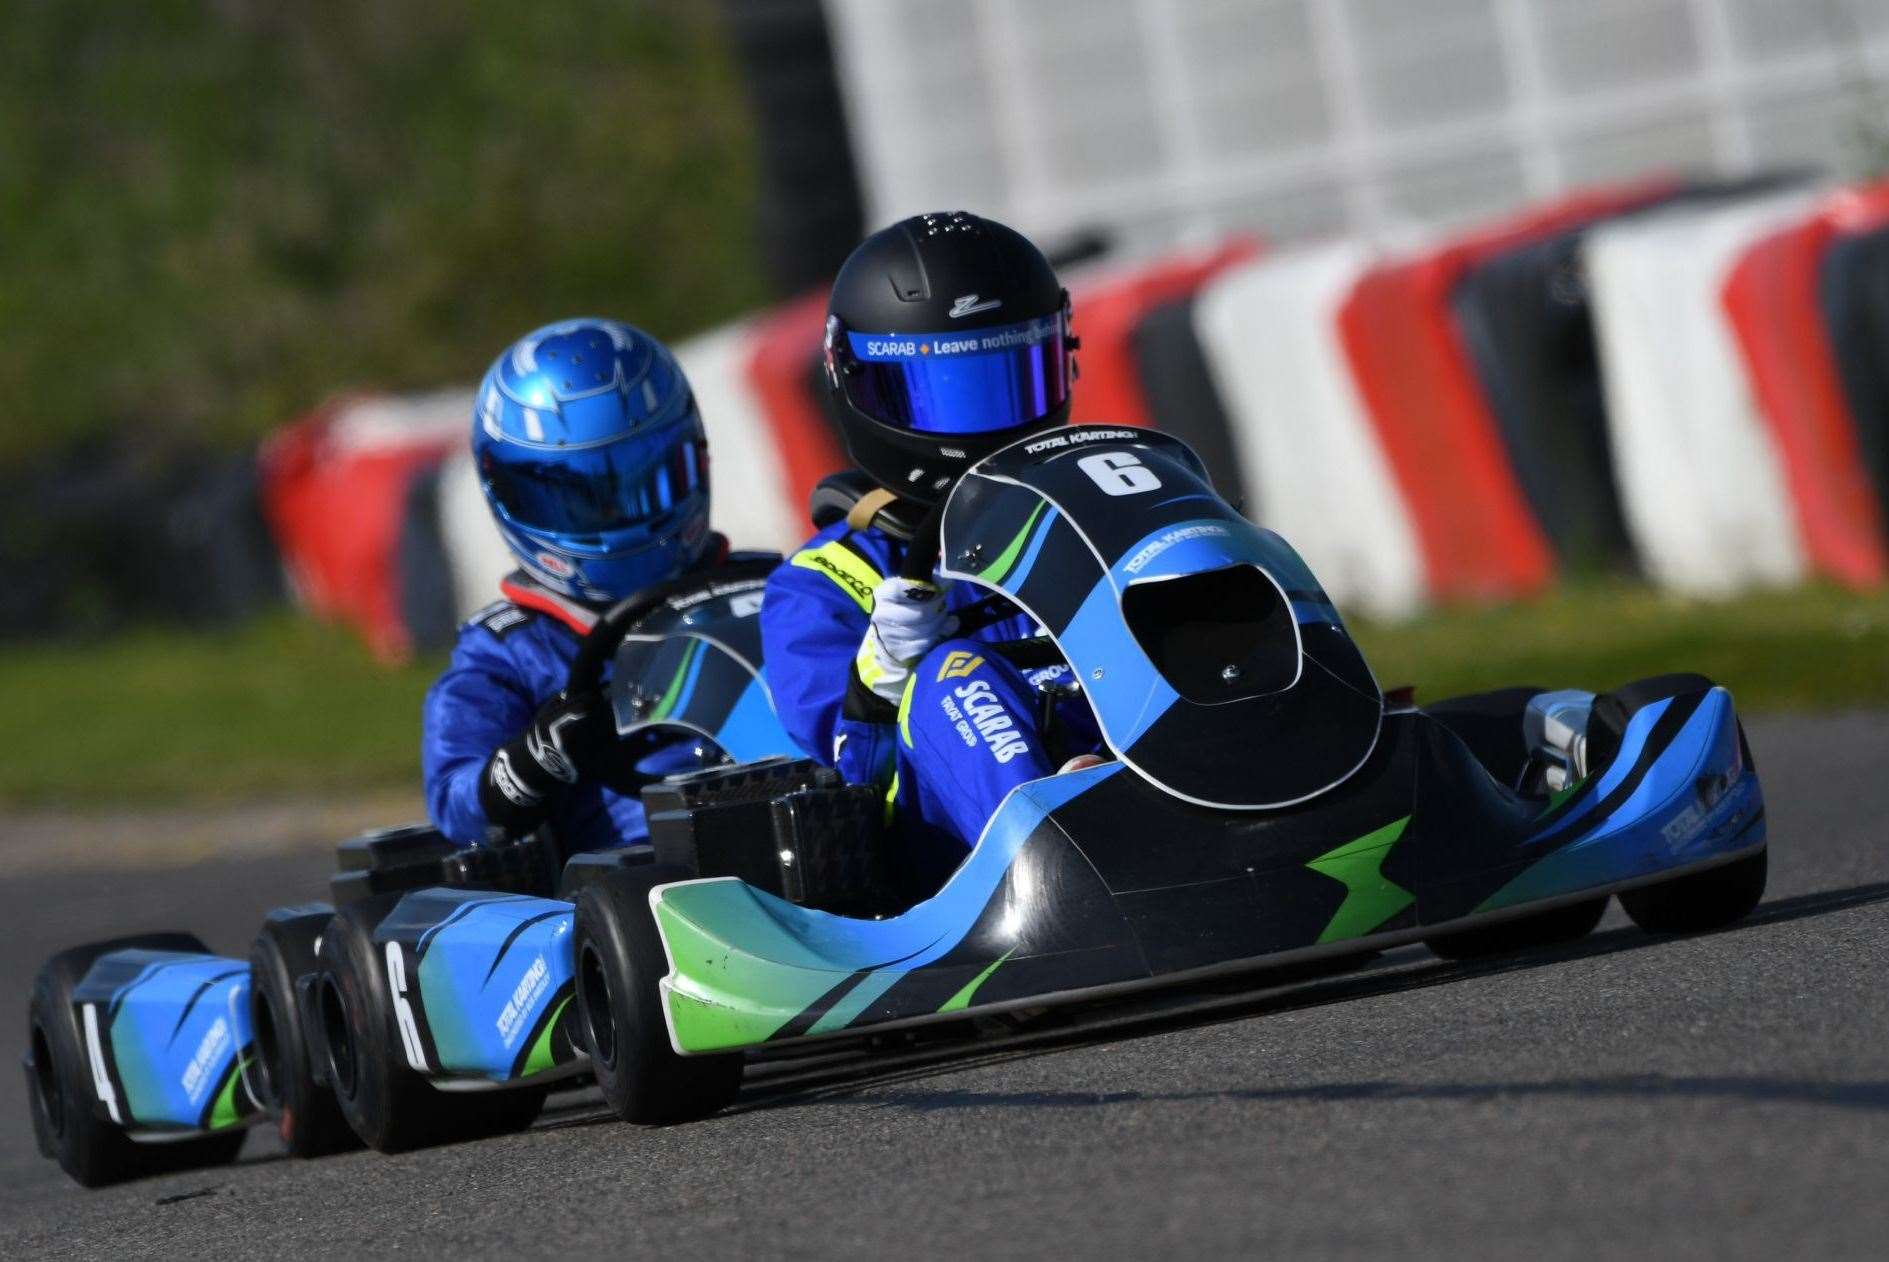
(168,1038)
(480,983)
(1266,804)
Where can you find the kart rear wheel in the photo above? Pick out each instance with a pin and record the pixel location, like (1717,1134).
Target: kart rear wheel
(1705,900)
(620,959)
(1568,923)
(306,1115)
(390,1106)
(68,1120)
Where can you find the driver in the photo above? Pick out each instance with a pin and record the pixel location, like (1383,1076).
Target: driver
(947,338)
(595,466)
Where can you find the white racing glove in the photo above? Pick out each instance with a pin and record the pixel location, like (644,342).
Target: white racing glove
(908,621)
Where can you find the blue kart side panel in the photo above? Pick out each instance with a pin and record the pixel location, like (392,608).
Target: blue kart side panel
(168,1036)
(487,978)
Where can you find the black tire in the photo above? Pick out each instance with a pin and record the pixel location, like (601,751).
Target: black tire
(1705,900)
(91,1148)
(305,1113)
(1568,923)
(619,961)
(387,1104)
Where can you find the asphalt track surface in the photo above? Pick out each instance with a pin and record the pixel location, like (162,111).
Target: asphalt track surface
(1717,1096)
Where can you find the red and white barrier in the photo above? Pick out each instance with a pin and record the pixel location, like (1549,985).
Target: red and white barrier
(784,354)
(1479,536)
(1110,302)
(1773,300)
(334,492)
(1359,421)
(750,487)
(1700,473)
(1311,455)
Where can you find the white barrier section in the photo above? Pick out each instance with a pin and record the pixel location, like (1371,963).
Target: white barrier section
(383,421)
(1307,447)
(1701,480)
(747,480)
(475,553)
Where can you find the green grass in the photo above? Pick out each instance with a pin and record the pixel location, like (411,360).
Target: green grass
(287,706)
(1808,649)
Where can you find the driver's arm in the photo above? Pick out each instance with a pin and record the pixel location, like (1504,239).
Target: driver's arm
(816,614)
(480,703)
(491,754)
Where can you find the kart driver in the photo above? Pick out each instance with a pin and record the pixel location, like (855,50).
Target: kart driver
(947,338)
(595,466)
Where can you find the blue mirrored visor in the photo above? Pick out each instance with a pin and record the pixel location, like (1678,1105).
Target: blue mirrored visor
(969,382)
(600,489)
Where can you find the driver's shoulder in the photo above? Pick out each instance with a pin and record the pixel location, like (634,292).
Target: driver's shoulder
(508,630)
(854,560)
(501,620)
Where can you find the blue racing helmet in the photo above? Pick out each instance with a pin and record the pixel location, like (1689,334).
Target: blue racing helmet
(593,459)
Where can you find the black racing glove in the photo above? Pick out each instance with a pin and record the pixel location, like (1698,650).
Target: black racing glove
(568,738)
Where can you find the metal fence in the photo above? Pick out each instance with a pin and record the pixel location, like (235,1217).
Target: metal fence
(1175,120)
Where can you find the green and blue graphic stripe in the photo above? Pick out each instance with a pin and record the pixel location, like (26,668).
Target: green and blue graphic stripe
(747,966)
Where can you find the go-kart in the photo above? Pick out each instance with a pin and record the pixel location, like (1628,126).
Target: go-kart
(1265,804)
(147,1054)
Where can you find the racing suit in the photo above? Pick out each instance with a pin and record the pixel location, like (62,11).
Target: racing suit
(965,732)
(512,657)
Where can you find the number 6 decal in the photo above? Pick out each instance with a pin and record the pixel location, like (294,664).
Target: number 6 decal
(403,1009)
(1119,473)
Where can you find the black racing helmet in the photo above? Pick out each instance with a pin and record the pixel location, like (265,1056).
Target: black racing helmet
(947,337)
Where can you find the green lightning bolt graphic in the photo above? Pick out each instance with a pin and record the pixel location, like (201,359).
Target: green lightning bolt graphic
(1370,899)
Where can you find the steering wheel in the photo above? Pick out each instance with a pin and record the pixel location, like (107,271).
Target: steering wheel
(616,624)
(624,618)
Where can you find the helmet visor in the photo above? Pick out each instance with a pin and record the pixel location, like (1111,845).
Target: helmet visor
(971,382)
(598,490)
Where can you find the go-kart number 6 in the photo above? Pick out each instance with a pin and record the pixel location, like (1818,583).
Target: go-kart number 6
(403,1010)
(1119,473)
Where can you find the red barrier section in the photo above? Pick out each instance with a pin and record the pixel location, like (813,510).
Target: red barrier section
(1772,299)
(1478,536)
(787,344)
(1107,311)
(334,487)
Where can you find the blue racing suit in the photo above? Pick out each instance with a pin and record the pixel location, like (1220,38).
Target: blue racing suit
(512,657)
(965,733)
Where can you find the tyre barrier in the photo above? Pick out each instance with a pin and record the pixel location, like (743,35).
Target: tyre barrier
(1853,291)
(1771,296)
(1309,455)
(1684,379)
(1698,468)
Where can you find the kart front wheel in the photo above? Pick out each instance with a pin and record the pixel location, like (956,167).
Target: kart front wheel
(1704,900)
(306,1115)
(68,1121)
(620,959)
(1568,923)
(385,1101)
